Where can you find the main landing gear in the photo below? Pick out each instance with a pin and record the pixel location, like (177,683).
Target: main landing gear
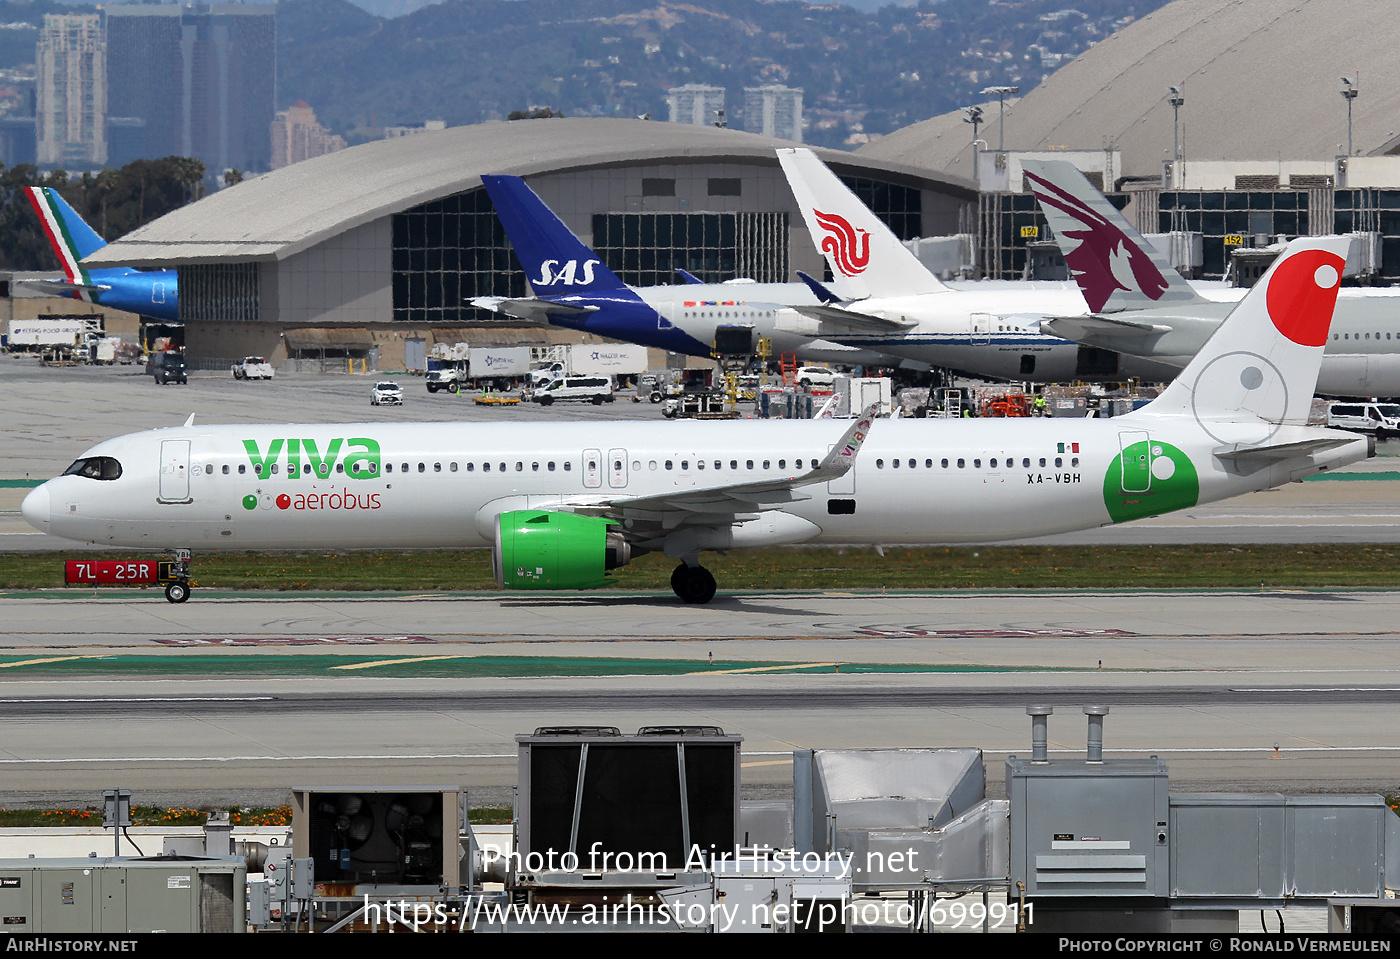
(694,584)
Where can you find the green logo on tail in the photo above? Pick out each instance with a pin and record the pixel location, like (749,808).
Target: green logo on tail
(1149,478)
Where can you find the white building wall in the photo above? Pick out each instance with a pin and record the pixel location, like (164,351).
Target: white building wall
(347,279)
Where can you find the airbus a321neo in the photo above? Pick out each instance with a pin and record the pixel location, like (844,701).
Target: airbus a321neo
(560,504)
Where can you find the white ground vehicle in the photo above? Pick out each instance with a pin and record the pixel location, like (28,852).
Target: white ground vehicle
(594,389)
(449,378)
(253,368)
(1365,417)
(386,393)
(810,376)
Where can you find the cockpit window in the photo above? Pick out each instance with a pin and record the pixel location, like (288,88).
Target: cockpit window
(96,467)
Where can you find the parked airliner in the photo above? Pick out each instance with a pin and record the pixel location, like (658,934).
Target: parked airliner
(153,293)
(560,504)
(1139,304)
(575,289)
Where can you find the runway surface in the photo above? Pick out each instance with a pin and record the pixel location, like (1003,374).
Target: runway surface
(251,692)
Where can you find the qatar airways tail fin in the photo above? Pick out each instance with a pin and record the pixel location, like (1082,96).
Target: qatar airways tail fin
(555,261)
(1259,369)
(866,258)
(71,238)
(1116,269)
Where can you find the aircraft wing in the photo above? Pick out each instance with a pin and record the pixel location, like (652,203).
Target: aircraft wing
(835,320)
(530,308)
(1096,326)
(734,502)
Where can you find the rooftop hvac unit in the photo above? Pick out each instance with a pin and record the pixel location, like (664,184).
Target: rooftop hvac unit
(596,793)
(408,836)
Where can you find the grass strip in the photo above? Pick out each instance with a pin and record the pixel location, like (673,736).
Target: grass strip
(979,567)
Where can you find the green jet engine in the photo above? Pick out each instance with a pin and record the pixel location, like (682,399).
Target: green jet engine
(536,549)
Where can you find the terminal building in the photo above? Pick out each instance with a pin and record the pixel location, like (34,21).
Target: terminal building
(390,239)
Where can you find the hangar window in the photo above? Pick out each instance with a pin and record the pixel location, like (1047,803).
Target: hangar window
(726,186)
(901,207)
(645,249)
(658,186)
(445,253)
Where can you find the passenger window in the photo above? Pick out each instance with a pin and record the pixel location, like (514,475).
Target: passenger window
(1059,461)
(719,464)
(568,466)
(1074,462)
(340,467)
(437,467)
(225,469)
(945,462)
(765,463)
(486,467)
(520,467)
(962,463)
(685,465)
(668,464)
(1026,463)
(1042,461)
(535,467)
(879,464)
(422,467)
(403,468)
(733,464)
(895,464)
(782,464)
(977,464)
(388,467)
(471,467)
(750,463)
(551,466)
(274,468)
(453,467)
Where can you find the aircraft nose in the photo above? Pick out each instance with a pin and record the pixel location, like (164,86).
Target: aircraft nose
(35,508)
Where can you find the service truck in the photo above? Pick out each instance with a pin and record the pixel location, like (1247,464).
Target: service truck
(484,367)
(621,361)
(47,334)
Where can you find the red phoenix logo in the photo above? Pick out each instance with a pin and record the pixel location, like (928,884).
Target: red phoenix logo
(848,247)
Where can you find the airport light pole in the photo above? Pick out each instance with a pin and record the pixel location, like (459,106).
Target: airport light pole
(1001,93)
(1176,100)
(1349,93)
(974,116)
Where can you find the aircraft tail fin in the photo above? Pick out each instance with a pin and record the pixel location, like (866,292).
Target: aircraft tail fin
(71,238)
(1116,269)
(555,260)
(864,254)
(1261,364)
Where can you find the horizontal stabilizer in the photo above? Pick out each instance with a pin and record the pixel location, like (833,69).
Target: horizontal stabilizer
(63,287)
(530,308)
(1080,328)
(1250,458)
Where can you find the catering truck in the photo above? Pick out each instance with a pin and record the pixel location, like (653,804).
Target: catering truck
(484,367)
(621,361)
(68,332)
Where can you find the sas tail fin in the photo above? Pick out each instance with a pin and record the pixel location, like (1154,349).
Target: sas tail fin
(1260,366)
(1116,269)
(866,258)
(555,260)
(71,238)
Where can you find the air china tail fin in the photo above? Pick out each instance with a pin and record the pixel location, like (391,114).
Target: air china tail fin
(555,260)
(1116,269)
(866,258)
(71,238)
(1259,369)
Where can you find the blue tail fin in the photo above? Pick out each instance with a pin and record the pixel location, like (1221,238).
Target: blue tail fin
(555,261)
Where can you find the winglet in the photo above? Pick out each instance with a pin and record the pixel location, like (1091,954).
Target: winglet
(842,457)
(690,277)
(190,421)
(824,295)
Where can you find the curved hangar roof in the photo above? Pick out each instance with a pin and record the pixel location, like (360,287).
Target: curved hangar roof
(279,214)
(1260,78)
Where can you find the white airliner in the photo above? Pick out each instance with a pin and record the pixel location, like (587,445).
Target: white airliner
(562,503)
(1140,305)
(884,299)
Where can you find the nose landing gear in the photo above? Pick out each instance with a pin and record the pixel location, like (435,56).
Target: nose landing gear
(177,590)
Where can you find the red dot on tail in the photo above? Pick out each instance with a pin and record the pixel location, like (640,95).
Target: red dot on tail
(284,501)
(1302,293)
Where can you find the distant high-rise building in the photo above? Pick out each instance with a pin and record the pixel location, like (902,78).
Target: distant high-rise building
(296,136)
(774,111)
(696,103)
(203,77)
(428,127)
(71,63)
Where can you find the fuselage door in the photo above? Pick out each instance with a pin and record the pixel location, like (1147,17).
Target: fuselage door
(980,328)
(617,468)
(592,469)
(174,471)
(1136,459)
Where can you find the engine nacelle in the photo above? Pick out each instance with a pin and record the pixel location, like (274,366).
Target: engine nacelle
(540,549)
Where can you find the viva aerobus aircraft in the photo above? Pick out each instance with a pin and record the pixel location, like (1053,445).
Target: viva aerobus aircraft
(882,298)
(1140,305)
(575,289)
(152,293)
(560,504)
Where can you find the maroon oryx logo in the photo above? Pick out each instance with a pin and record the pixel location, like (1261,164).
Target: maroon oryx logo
(848,247)
(1106,258)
